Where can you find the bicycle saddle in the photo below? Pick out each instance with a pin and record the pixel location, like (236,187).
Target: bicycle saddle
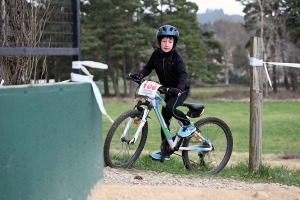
(194,106)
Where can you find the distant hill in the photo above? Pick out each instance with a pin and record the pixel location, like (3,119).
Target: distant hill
(214,15)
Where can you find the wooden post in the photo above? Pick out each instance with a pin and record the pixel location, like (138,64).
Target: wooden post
(256,99)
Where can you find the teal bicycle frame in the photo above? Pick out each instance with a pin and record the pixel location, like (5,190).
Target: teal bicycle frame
(155,105)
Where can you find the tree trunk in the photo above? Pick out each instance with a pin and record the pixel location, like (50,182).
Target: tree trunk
(105,84)
(14,70)
(293,76)
(131,83)
(286,79)
(227,68)
(124,75)
(274,79)
(113,78)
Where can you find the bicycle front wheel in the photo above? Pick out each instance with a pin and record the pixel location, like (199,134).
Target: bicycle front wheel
(118,151)
(218,133)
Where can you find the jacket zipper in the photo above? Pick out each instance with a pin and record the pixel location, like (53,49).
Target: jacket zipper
(164,70)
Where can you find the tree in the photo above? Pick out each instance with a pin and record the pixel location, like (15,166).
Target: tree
(214,58)
(22,25)
(292,10)
(240,62)
(182,15)
(122,35)
(273,20)
(230,34)
(114,34)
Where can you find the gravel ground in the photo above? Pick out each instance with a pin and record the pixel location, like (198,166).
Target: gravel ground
(122,184)
(114,176)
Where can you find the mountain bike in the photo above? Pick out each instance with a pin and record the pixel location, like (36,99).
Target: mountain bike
(206,150)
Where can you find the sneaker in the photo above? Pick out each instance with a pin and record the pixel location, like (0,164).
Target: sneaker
(187,131)
(158,156)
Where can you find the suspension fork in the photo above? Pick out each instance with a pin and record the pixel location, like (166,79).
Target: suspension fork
(143,120)
(141,125)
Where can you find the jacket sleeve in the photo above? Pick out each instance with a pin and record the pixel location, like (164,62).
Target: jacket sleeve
(148,67)
(183,76)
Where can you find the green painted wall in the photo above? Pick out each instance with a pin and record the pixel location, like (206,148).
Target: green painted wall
(50,142)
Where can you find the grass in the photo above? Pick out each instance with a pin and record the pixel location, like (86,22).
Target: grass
(280,123)
(280,134)
(266,174)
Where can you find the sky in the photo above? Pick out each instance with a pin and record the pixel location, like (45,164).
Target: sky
(229,7)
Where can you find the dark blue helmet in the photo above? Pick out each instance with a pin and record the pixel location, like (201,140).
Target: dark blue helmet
(167,30)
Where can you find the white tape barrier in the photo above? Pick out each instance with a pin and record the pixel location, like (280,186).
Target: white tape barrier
(89,78)
(260,63)
(2,81)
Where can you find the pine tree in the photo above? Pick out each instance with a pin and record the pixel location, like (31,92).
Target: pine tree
(114,34)
(292,10)
(182,15)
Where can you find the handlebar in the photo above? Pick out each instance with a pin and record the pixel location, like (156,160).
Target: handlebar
(162,90)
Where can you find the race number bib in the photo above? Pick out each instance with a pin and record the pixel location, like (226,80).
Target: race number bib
(149,89)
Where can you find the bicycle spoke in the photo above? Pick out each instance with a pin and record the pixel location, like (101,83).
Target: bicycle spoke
(218,133)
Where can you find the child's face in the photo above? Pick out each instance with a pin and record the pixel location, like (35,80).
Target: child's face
(166,44)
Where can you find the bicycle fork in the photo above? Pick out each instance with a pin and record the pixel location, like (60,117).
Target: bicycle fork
(138,131)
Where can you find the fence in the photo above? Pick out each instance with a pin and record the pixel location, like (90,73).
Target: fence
(41,28)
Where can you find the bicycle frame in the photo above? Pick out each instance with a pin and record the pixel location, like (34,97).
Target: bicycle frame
(155,105)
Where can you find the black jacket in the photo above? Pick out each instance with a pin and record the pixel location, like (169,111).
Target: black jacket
(170,69)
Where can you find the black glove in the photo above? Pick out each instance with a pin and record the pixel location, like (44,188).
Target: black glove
(137,76)
(174,92)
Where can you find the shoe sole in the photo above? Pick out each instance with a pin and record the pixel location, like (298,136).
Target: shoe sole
(192,131)
(158,159)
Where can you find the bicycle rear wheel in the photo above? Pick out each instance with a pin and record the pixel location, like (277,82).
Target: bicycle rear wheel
(118,153)
(218,133)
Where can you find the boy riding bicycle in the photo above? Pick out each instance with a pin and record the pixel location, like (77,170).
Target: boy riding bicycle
(171,71)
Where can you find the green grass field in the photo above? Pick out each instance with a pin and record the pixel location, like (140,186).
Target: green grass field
(280,132)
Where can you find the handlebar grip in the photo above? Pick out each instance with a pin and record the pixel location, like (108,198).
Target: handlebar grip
(163,90)
(138,81)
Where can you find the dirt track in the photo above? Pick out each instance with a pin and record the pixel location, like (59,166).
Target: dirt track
(121,192)
(134,185)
